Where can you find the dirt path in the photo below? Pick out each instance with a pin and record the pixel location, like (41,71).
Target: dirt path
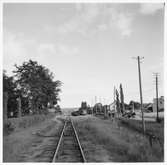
(35,144)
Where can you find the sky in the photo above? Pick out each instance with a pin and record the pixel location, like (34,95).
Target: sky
(88,46)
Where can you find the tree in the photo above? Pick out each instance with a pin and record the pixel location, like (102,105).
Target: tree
(117,103)
(37,85)
(9,86)
(122,106)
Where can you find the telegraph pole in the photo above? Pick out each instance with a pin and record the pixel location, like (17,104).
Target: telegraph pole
(95,105)
(157,96)
(156,80)
(141,96)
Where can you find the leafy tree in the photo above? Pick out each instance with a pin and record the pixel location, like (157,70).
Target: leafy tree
(37,86)
(9,86)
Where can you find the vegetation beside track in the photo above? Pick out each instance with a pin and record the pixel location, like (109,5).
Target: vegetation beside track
(123,144)
(14,124)
(152,128)
(29,145)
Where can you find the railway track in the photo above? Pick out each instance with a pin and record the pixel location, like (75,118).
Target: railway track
(69,148)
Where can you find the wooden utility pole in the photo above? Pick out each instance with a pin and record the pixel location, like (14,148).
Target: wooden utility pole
(95,105)
(141,96)
(157,96)
(156,81)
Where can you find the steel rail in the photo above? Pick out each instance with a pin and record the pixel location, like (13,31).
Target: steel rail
(80,147)
(60,139)
(58,146)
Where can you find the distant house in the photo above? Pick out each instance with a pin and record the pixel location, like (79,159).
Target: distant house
(160,104)
(113,107)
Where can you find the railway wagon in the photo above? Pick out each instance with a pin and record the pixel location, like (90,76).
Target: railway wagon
(83,110)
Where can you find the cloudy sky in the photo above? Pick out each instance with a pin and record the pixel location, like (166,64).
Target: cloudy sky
(89,47)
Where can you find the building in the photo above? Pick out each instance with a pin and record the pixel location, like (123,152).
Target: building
(113,107)
(160,104)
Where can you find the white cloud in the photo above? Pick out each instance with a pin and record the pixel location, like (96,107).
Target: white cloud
(78,6)
(12,45)
(46,49)
(121,20)
(124,24)
(15,48)
(18,48)
(157,67)
(93,18)
(150,8)
(71,26)
(102,27)
(90,12)
(58,49)
(67,50)
(86,15)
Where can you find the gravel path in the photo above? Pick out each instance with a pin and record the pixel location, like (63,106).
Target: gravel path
(34,144)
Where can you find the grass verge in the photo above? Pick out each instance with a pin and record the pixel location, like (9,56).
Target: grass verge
(123,144)
(154,130)
(21,140)
(15,124)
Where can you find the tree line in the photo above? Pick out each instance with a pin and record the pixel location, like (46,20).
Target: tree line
(32,84)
